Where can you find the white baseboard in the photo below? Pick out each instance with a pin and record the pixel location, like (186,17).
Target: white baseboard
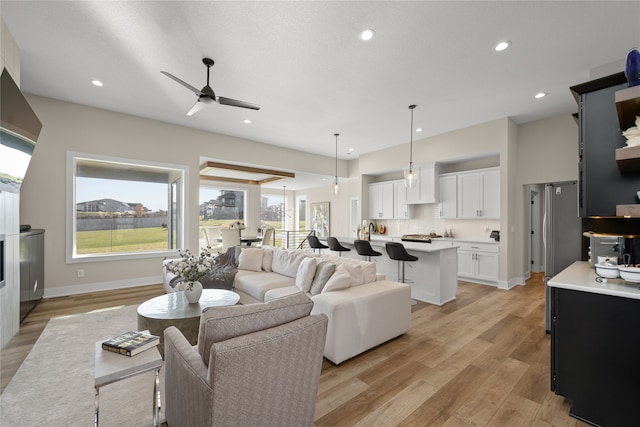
(508,284)
(101,286)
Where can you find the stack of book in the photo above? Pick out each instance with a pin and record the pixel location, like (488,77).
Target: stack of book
(131,343)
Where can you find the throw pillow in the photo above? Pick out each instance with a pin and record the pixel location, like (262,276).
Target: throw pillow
(324,271)
(340,280)
(306,271)
(267,259)
(356,273)
(250,259)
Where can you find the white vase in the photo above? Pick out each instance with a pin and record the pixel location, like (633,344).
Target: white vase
(193,291)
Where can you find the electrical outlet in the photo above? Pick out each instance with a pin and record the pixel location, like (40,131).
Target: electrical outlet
(80,273)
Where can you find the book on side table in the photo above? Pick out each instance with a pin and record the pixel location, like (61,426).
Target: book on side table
(131,343)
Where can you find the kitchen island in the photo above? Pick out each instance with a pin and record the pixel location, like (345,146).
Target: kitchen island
(595,346)
(433,278)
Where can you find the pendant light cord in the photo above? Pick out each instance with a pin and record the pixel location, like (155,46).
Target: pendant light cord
(411,107)
(336,135)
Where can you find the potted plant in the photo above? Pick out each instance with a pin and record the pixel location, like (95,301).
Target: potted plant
(189,269)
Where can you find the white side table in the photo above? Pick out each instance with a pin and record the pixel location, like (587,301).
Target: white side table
(112,367)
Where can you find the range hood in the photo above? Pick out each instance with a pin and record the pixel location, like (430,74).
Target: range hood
(19,131)
(16,116)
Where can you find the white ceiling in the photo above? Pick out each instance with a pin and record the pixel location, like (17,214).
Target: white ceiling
(303,62)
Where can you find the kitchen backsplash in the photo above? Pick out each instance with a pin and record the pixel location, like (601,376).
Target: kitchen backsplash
(426,219)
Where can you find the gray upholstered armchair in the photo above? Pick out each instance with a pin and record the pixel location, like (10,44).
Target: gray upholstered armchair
(254,365)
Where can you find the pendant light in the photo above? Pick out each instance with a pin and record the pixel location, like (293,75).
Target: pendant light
(410,174)
(335,189)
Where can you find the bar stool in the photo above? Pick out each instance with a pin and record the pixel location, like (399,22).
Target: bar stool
(315,243)
(397,252)
(364,249)
(334,245)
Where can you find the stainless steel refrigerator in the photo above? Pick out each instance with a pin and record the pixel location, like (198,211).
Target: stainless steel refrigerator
(562,233)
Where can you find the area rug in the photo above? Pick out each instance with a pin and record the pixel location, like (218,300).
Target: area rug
(54,386)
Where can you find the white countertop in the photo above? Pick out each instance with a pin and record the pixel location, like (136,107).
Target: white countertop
(581,276)
(435,246)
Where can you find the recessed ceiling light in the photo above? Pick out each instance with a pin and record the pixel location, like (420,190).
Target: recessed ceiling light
(419,130)
(367,35)
(247,121)
(502,46)
(351,149)
(540,95)
(97,83)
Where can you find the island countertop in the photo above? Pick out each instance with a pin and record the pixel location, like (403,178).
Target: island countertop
(434,246)
(581,276)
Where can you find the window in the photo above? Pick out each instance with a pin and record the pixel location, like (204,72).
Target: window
(123,208)
(221,207)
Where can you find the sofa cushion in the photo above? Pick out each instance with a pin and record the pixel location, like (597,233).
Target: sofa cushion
(250,259)
(306,271)
(267,259)
(280,292)
(339,280)
(257,284)
(324,271)
(223,323)
(286,262)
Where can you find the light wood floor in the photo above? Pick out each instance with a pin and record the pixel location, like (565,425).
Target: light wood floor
(481,360)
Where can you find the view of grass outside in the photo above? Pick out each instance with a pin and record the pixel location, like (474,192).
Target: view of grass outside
(121,241)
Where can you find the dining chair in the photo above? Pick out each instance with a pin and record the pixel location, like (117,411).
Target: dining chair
(230,238)
(267,237)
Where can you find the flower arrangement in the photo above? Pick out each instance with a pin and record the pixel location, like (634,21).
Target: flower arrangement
(237,225)
(189,267)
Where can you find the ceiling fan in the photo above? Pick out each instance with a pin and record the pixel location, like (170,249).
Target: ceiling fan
(206,95)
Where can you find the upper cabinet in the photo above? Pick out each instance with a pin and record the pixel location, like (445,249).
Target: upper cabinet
(448,194)
(478,194)
(388,200)
(426,191)
(381,200)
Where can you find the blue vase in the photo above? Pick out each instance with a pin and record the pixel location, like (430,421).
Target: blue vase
(632,69)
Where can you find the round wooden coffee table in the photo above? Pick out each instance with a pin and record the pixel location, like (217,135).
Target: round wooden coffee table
(173,309)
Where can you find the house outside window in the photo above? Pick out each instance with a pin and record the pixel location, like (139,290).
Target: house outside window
(122,208)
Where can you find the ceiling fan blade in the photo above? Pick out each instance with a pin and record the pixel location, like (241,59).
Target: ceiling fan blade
(199,105)
(235,103)
(183,83)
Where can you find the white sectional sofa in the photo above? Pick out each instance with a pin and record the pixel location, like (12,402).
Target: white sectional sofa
(363,312)
(364,309)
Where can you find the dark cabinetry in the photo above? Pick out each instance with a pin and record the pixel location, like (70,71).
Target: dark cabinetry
(31,270)
(595,351)
(602,184)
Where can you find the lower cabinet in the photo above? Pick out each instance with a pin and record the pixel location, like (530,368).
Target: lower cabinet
(31,270)
(478,262)
(594,355)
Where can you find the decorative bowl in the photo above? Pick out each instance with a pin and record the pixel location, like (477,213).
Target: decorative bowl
(630,274)
(606,271)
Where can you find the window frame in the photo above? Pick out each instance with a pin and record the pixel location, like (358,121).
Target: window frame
(71,216)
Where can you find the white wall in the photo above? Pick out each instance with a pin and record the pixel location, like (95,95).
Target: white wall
(10,214)
(72,127)
(535,152)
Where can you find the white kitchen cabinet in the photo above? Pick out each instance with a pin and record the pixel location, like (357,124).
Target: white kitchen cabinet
(448,191)
(381,200)
(478,194)
(426,189)
(401,210)
(478,262)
